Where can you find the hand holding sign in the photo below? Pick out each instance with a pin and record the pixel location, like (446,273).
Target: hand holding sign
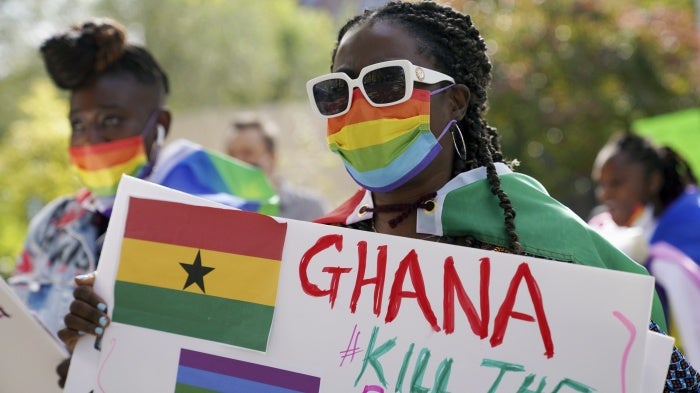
(87,312)
(369,312)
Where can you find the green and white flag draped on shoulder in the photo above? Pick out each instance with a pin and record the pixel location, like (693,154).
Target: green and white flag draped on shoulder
(547,229)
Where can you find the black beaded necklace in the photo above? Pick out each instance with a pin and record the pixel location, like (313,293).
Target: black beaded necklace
(404,209)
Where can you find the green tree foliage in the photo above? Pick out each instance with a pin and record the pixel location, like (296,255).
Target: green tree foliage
(23,25)
(12,88)
(217,53)
(33,165)
(220,53)
(567,74)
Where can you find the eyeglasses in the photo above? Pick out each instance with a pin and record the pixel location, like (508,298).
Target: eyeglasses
(383,84)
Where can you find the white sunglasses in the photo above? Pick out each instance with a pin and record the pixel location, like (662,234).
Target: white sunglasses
(383,84)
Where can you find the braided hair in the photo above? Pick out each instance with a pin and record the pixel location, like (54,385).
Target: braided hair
(458,50)
(98,47)
(675,172)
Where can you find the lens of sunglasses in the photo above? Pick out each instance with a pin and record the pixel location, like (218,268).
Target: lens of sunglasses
(385,85)
(332,96)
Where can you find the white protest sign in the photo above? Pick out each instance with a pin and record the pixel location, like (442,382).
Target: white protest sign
(659,347)
(29,353)
(364,312)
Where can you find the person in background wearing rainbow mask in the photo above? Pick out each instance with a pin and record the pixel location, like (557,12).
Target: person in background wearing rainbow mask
(118,123)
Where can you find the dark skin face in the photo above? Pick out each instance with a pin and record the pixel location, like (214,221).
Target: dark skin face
(115,107)
(381,41)
(623,185)
(110,108)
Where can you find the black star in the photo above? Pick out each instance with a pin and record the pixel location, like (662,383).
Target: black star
(196,272)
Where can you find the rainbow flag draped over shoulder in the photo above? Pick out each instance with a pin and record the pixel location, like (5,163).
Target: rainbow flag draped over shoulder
(201,372)
(198,271)
(191,168)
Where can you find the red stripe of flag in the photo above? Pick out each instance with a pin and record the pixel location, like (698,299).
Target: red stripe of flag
(342,213)
(216,229)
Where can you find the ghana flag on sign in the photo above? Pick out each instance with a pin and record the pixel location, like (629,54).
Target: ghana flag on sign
(198,271)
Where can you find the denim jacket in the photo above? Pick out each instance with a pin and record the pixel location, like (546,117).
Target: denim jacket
(64,240)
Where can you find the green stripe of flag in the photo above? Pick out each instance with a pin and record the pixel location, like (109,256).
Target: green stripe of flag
(183,388)
(196,315)
(244,181)
(378,156)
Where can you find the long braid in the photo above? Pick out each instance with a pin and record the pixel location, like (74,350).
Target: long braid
(458,50)
(676,173)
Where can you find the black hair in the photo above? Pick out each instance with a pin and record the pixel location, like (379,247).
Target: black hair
(98,47)
(676,173)
(458,50)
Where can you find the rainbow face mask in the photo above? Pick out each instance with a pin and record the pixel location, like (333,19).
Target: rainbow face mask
(100,166)
(383,148)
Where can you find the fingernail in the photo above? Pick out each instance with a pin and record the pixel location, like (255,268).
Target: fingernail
(99,331)
(103,321)
(82,277)
(81,333)
(102,307)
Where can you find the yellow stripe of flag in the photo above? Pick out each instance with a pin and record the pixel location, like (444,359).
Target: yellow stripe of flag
(238,277)
(369,133)
(103,177)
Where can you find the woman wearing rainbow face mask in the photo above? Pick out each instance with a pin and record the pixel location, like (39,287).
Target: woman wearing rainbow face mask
(118,123)
(405,104)
(405,114)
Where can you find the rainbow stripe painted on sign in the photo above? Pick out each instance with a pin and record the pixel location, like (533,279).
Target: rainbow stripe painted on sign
(199,271)
(199,372)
